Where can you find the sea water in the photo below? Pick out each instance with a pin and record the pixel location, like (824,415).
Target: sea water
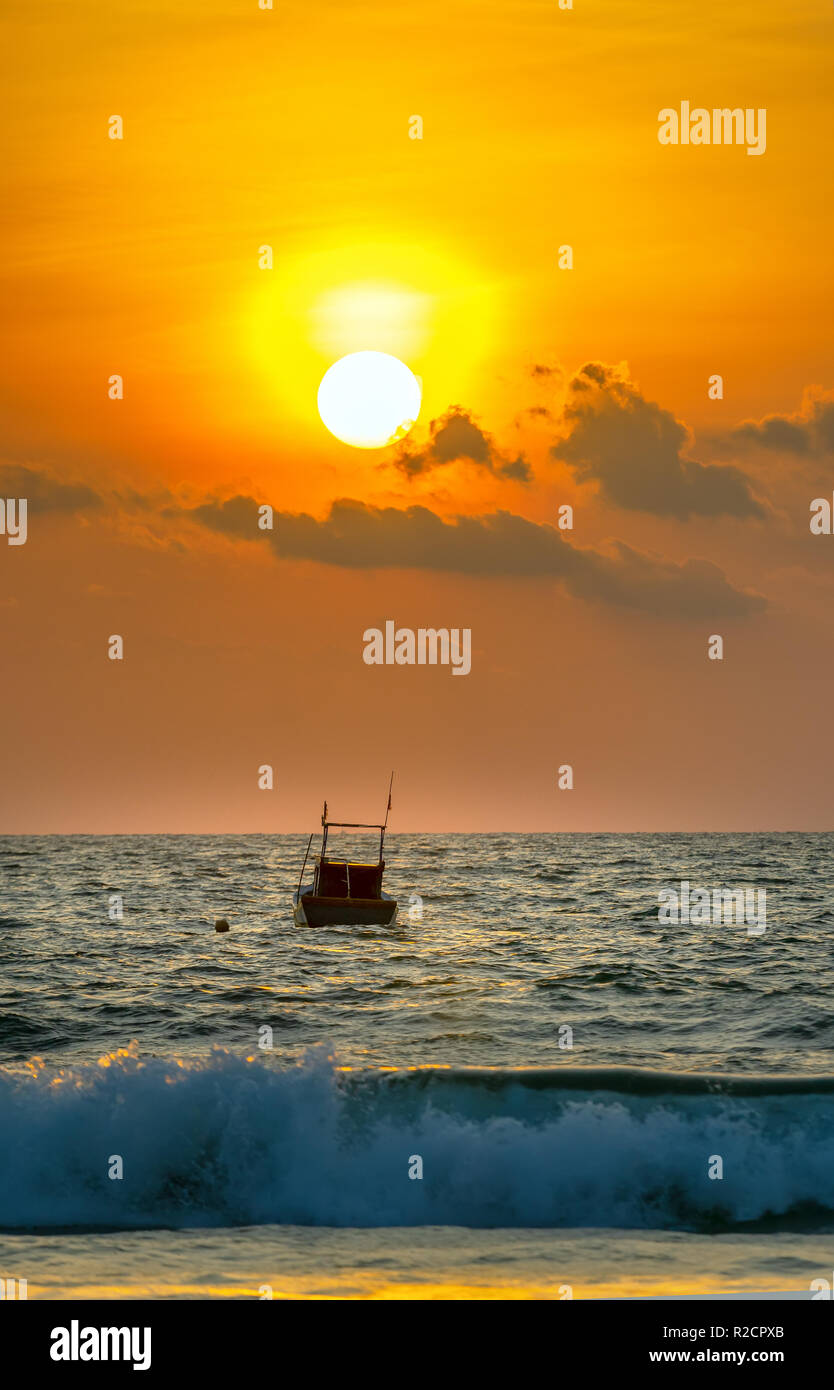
(566,1067)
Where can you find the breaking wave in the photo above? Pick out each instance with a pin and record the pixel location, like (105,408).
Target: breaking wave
(231,1140)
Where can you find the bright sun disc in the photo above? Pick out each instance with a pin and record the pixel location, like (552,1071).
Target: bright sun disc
(369,399)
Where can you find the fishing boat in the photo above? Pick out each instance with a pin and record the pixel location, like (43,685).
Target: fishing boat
(343,893)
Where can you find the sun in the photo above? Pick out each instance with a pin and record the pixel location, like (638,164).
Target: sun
(369,399)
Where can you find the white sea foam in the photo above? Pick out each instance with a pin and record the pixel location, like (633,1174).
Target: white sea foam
(231,1141)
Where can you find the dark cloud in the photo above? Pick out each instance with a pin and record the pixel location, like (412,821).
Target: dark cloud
(634,450)
(810,431)
(43,492)
(455,436)
(501,544)
(357,536)
(238,516)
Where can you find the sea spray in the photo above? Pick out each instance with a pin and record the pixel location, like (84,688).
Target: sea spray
(233,1140)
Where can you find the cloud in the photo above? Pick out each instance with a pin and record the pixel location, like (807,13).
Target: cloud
(634,450)
(455,436)
(43,492)
(236,517)
(357,536)
(810,431)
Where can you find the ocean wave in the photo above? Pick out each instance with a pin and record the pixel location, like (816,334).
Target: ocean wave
(233,1140)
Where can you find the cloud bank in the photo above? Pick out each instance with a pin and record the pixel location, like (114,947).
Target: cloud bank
(45,493)
(809,432)
(357,536)
(634,450)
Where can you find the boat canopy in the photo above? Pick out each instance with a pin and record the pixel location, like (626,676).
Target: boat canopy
(328,825)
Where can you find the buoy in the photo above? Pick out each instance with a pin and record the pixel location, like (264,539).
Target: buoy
(221,924)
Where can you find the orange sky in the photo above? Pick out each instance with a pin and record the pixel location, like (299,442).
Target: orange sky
(290,128)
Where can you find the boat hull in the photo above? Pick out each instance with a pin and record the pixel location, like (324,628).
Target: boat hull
(311,911)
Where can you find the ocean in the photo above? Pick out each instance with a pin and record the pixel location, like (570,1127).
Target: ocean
(528,1087)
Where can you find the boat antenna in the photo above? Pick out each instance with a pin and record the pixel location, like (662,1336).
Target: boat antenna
(388,808)
(324,814)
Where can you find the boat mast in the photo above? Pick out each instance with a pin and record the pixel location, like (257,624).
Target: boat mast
(384,826)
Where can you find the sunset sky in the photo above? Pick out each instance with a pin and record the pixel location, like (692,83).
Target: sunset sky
(589,386)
